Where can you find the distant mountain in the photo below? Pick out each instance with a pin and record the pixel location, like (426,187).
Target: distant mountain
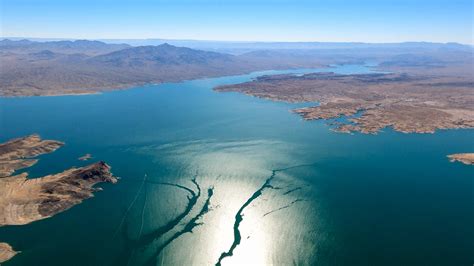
(58,67)
(413,60)
(7,43)
(236,47)
(163,54)
(240,47)
(49,72)
(65,47)
(42,55)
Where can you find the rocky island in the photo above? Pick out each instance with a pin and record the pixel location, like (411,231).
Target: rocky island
(6,252)
(465,158)
(409,103)
(24,200)
(85,157)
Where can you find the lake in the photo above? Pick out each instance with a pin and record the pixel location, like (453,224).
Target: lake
(190,158)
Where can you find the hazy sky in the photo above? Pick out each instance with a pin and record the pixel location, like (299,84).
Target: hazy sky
(249,20)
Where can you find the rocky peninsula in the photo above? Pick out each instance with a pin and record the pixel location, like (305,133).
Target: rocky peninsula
(465,158)
(24,200)
(19,153)
(6,252)
(408,103)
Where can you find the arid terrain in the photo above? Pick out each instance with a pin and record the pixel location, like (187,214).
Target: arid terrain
(19,153)
(6,252)
(30,68)
(84,67)
(465,158)
(413,100)
(24,200)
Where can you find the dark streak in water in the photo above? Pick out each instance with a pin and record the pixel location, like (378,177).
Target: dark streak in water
(143,214)
(173,185)
(239,218)
(284,207)
(239,215)
(161,183)
(131,245)
(292,190)
(188,228)
(150,237)
(142,219)
(127,253)
(294,167)
(119,227)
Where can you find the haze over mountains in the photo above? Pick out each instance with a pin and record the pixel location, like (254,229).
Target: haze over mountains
(67,47)
(83,66)
(239,47)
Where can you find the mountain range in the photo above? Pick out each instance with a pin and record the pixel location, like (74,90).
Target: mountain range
(31,68)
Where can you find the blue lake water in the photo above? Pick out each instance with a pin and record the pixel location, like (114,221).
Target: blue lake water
(334,199)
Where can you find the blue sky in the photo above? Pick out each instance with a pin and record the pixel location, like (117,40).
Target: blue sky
(244,20)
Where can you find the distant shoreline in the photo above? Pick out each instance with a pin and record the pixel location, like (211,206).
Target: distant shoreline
(121,87)
(417,102)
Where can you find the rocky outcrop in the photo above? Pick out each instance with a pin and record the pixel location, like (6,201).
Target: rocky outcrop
(6,252)
(368,103)
(18,153)
(24,200)
(85,157)
(465,158)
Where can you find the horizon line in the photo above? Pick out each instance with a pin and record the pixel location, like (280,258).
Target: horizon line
(213,40)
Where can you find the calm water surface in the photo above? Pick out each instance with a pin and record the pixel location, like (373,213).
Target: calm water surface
(330,199)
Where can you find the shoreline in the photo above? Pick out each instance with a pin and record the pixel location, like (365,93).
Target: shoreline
(131,86)
(465,158)
(24,200)
(408,103)
(6,252)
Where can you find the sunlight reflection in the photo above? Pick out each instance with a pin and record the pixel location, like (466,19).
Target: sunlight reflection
(238,172)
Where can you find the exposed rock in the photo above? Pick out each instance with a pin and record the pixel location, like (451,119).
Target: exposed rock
(24,200)
(18,153)
(465,158)
(85,157)
(6,252)
(407,103)
(60,72)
